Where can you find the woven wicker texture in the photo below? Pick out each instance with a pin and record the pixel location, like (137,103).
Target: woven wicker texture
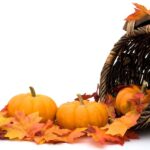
(128,63)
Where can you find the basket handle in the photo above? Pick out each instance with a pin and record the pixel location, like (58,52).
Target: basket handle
(107,68)
(141,26)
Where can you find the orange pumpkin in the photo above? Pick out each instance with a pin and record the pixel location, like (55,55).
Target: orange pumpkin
(81,113)
(122,99)
(30,102)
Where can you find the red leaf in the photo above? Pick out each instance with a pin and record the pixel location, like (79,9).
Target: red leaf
(131,135)
(95,95)
(137,103)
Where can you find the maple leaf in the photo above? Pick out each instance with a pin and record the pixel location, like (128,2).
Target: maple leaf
(4,120)
(2,134)
(110,102)
(84,97)
(94,95)
(121,125)
(76,133)
(24,127)
(140,11)
(99,135)
(137,102)
(55,134)
(130,135)
(39,136)
(4,110)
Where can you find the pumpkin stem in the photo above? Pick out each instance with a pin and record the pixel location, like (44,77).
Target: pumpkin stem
(80,99)
(32,91)
(144,87)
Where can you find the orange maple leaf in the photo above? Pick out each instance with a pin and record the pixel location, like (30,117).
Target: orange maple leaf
(121,125)
(55,134)
(140,11)
(76,133)
(23,127)
(39,136)
(99,135)
(110,102)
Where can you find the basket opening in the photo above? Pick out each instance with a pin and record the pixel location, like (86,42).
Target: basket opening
(132,65)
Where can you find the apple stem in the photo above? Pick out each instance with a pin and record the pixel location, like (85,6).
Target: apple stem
(32,91)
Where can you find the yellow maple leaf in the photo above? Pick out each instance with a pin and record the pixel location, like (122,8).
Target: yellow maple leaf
(4,120)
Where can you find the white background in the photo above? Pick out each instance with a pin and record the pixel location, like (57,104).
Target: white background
(59,47)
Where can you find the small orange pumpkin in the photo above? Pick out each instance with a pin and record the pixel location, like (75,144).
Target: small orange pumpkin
(122,99)
(122,104)
(30,102)
(81,113)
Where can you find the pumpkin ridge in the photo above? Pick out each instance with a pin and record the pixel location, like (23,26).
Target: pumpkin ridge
(74,115)
(80,111)
(86,107)
(100,119)
(88,114)
(45,109)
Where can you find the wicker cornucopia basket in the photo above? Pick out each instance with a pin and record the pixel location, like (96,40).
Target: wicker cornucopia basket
(129,63)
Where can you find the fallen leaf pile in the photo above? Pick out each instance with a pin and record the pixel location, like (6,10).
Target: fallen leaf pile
(32,128)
